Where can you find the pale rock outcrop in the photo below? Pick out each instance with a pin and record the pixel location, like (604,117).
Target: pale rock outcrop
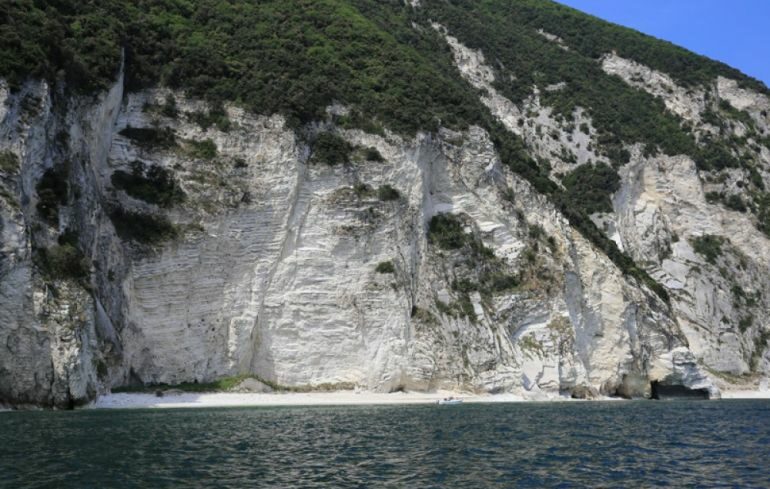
(661,207)
(686,103)
(564,144)
(273,268)
(52,350)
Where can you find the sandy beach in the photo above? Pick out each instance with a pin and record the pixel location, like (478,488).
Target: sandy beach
(226,399)
(746,394)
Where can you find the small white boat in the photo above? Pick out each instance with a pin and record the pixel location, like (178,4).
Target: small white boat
(449,401)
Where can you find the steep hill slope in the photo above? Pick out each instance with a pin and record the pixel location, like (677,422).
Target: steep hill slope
(485,195)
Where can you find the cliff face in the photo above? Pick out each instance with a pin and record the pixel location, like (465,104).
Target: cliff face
(150,237)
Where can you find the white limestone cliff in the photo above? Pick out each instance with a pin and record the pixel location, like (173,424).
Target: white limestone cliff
(272,271)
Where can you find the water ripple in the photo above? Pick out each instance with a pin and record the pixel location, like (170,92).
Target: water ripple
(630,444)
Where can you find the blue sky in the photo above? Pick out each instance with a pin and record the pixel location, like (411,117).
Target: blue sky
(736,32)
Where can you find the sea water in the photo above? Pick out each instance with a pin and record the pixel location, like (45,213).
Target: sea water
(576,444)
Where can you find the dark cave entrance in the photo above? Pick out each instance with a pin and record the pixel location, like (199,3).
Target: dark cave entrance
(665,392)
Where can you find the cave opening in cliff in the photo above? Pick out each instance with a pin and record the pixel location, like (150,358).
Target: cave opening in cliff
(665,392)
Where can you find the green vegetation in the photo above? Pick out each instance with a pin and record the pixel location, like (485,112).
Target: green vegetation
(63,260)
(52,192)
(491,281)
(383,61)
(423,315)
(763,212)
(153,184)
(709,246)
(530,344)
(385,267)
(215,116)
(150,137)
(169,107)
(589,187)
(372,154)
(592,38)
(462,307)
(447,232)
(9,162)
(142,228)
(760,345)
(225,384)
(331,149)
(294,57)
(620,114)
(363,190)
(204,150)
(387,193)
(745,323)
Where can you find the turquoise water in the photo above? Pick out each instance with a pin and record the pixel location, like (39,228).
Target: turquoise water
(610,444)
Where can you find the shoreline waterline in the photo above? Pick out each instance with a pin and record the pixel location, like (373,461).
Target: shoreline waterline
(336,398)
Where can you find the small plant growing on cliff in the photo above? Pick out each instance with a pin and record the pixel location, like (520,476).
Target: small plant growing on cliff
(9,163)
(142,228)
(362,190)
(423,315)
(204,150)
(63,260)
(150,137)
(371,154)
(331,149)
(52,192)
(709,246)
(387,193)
(169,108)
(385,267)
(446,231)
(745,323)
(735,202)
(760,345)
(153,184)
(215,116)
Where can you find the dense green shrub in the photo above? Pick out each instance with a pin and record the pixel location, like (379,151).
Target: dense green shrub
(331,149)
(387,193)
(447,232)
(63,260)
(735,202)
(169,107)
(709,246)
(153,184)
(385,267)
(745,323)
(150,137)
(589,187)
(142,228)
(9,162)
(52,192)
(215,116)
(204,150)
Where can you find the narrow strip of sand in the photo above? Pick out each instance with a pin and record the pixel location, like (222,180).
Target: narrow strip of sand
(763,394)
(339,398)
(189,400)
